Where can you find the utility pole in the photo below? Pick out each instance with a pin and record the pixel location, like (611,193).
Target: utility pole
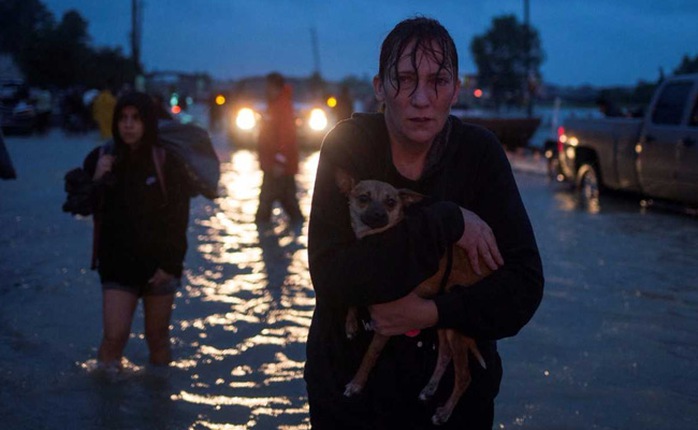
(527,57)
(136,25)
(316,50)
(317,84)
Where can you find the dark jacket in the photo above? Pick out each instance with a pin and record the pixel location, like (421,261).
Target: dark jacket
(141,228)
(470,170)
(277,137)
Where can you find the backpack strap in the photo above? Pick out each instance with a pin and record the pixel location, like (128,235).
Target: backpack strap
(159,156)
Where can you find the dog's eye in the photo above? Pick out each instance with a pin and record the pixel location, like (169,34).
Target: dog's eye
(364,199)
(390,202)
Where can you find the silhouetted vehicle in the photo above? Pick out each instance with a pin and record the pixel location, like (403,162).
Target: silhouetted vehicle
(313,121)
(655,156)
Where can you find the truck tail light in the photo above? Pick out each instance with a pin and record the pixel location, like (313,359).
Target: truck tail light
(561,138)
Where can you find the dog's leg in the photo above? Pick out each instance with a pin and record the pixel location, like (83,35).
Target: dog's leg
(444,358)
(351,325)
(369,361)
(459,345)
(472,347)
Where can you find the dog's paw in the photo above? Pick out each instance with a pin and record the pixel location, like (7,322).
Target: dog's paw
(427,392)
(352,389)
(441,416)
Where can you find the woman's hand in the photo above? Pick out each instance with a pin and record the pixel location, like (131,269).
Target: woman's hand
(104,165)
(404,314)
(160,277)
(478,241)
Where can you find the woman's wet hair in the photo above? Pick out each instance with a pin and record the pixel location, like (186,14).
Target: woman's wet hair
(430,37)
(146,109)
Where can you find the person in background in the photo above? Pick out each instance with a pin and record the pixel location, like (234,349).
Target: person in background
(216,109)
(7,170)
(141,217)
(278,153)
(345,104)
(472,201)
(43,105)
(608,108)
(103,111)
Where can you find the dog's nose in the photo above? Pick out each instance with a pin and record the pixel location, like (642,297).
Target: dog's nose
(375,217)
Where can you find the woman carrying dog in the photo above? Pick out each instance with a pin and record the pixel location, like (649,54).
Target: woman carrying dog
(141,212)
(473,202)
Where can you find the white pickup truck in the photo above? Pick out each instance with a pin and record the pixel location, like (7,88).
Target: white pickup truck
(655,156)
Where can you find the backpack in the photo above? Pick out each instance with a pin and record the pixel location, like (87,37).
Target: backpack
(191,144)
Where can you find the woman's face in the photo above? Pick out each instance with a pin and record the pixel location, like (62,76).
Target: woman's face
(417,113)
(131,126)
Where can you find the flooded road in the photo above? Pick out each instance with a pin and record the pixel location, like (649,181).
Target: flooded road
(613,345)
(615,341)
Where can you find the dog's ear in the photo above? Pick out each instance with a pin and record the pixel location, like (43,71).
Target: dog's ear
(409,197)
(344,180)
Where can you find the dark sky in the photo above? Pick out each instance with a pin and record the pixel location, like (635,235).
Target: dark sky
(600,42)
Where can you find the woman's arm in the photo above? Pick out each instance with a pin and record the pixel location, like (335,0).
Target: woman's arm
(502,303)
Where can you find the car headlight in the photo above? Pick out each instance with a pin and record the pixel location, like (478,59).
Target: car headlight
(246,119)
(318,119)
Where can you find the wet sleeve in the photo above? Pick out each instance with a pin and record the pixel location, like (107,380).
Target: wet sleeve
(502,303)
(378,268)
(176,218)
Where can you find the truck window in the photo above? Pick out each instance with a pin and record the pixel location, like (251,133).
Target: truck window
(671,102)
(693,120)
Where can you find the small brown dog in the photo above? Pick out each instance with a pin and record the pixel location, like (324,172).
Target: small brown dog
(375,206)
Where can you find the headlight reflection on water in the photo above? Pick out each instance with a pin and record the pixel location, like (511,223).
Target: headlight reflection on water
(249,350)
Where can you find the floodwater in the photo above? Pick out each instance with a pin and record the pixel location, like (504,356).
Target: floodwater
(238,330)
(613,345)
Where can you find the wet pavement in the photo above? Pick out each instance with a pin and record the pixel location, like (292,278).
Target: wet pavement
(613,345)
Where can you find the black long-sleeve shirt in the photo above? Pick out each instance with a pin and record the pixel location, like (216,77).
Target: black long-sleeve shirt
(470,170)
(141,228)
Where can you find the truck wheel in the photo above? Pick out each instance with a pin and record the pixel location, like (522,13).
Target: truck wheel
(588,185)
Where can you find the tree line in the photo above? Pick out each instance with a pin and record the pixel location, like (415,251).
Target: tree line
(642,93)
(508,57)
(58,54)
